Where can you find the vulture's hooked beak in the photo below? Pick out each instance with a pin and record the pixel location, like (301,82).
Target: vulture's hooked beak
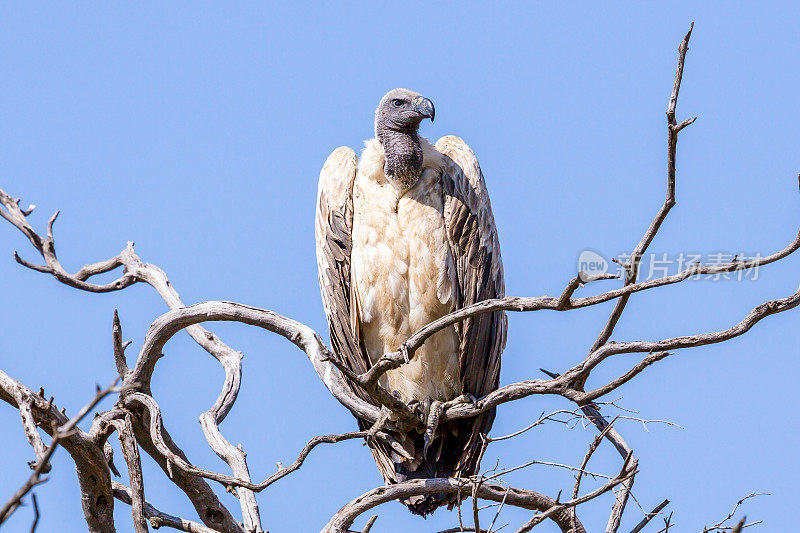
(424,107)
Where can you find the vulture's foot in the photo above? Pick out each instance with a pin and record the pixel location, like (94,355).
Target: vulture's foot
(379,424)
(435,409)
(463,399)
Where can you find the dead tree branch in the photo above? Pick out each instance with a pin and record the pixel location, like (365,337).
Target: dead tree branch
(632,265)
(720,526)
(649,516)
(130,451)
(156,518)
(98,509)
(525,499)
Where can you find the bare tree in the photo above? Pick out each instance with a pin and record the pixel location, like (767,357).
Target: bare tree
(136,415)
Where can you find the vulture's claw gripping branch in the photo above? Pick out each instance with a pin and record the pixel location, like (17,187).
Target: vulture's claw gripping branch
(431,423)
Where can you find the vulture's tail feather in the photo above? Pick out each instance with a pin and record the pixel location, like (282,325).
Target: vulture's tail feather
(454,452)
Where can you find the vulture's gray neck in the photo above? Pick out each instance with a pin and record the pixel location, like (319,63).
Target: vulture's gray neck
(403,165)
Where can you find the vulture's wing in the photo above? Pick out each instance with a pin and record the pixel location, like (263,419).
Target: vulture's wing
(334,224)
(476,249)
(333,229)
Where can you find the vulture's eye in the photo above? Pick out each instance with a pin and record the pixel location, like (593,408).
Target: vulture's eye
(397,103)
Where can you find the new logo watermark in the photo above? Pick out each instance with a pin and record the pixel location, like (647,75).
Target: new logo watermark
(592,263)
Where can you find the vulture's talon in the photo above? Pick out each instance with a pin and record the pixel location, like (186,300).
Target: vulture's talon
(461,400)
(380,423)
(431,423)
(369,439)
(417,408)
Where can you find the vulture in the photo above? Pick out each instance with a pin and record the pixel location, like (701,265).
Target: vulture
(404,236)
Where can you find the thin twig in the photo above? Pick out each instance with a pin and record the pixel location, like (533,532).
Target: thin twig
(649,516)
(719,525)
(35,513)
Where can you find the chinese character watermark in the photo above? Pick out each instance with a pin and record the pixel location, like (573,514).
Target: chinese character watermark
(656,265)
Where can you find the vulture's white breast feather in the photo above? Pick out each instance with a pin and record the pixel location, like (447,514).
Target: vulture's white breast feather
(403,273)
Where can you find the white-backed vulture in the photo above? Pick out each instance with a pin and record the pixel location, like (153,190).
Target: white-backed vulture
(405,236)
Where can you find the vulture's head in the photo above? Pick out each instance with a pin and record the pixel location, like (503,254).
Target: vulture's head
(402,110)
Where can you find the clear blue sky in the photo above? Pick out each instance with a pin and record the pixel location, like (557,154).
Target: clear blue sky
(198,132)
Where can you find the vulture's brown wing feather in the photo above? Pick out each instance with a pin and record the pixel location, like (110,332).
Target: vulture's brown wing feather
(334,224)
(473,239)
